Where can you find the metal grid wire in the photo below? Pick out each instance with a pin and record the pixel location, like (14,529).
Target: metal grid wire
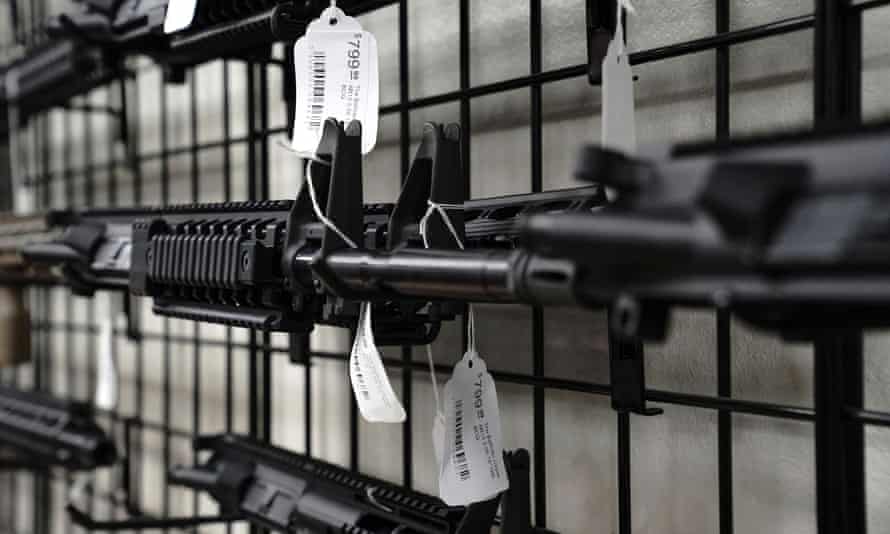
(838,413)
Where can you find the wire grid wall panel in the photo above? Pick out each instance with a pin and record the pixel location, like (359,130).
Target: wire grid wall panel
(751,424)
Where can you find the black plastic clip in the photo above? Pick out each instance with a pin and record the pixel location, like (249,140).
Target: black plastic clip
(435,176)
(337,181)
(133,312)
(627,373)
(516,501)
(601,24)
(625,175)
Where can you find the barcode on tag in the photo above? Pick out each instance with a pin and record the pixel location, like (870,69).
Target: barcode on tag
(360,382)
(318,63)
(461,465)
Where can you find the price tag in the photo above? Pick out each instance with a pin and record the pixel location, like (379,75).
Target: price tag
(618,128)
(376,399)
(180,14)
(106,370)
(336,69)
(472,467)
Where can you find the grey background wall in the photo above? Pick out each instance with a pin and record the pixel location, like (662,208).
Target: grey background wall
(673,455)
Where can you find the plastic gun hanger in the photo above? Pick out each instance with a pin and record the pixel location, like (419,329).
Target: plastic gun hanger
(434,176)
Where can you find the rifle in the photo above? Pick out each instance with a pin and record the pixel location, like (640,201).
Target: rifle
(49,75)
(240,29)
(273,265)
(681,232)
(38,430)
(799,246)
(789,232)
(277,489)
(288,492)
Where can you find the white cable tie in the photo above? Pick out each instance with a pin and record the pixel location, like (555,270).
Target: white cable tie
(429,357)
(318,213)
(440,208)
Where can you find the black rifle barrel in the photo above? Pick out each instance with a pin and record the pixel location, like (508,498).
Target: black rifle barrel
(482,276)
(496,276)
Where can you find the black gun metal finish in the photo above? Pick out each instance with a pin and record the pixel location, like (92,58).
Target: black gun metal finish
(273,265)
(789,232)
(38,431)
(288,492)
(50,74)
(681,232)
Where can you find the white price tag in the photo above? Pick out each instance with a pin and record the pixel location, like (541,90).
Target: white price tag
(376,399)
(472,468)
(336,76)
(106,370)
(180,14)
(618,128)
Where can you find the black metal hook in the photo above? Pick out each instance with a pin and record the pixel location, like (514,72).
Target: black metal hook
(86,521)
(435,176)
(627,369)
(515,502)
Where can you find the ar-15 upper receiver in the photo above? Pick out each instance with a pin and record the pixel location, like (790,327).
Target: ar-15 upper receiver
(790,233)
(37,431)
(287,492)
(273,265)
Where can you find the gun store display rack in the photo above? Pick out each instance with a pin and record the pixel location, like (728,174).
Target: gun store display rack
(838,414)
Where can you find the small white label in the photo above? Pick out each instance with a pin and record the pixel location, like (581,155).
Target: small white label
(618,125)
(472,467)
(106,370)
(376,399)
(180,14)
(336,76)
